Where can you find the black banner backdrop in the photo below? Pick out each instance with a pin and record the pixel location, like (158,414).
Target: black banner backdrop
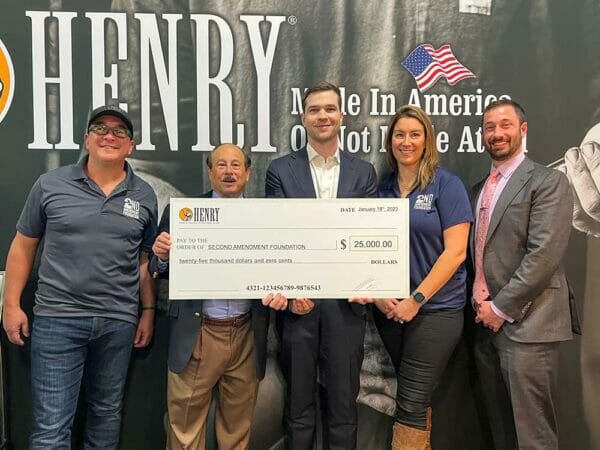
(196,73)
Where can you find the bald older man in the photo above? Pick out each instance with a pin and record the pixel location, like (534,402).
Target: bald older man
(214,342)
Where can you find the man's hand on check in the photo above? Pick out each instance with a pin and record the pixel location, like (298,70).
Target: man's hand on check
(162,246)
(361,300)
(277,301)
(301,305)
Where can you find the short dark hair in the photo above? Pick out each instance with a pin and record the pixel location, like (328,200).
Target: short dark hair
(322,86)
(503,102)
(247,160)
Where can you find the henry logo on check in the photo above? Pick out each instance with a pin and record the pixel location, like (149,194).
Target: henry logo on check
(186,214)
(423,201)
(131,208)
(199,215)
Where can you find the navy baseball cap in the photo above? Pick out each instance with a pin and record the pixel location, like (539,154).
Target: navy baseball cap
(110,110)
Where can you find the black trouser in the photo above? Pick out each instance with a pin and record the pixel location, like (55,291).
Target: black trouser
(329,338)
(420,350)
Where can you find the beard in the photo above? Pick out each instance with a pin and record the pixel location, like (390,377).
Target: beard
(514,145)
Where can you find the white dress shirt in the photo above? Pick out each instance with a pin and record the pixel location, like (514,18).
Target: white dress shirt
(325,173)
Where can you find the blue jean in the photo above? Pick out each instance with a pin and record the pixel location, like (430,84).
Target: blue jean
(66,352)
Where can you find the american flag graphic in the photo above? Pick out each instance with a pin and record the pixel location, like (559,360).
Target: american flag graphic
(427,65)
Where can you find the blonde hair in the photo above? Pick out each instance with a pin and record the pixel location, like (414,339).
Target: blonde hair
(430,160)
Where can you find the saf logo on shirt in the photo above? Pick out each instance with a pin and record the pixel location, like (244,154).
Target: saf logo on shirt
(423,201)
(131,208)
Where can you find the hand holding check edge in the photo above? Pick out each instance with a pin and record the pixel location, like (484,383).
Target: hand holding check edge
(277,301)
(303,306)
(162,246)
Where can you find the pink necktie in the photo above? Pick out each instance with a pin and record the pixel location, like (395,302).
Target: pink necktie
(480,288)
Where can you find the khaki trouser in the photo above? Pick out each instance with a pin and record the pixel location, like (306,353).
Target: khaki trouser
(223,356)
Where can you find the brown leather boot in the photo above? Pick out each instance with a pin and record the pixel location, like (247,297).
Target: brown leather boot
(428,443)
(407,438)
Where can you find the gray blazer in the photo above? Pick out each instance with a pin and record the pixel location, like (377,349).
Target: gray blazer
(186,319)
(527,238)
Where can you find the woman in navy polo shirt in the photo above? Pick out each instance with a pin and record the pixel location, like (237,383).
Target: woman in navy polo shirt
(421,331)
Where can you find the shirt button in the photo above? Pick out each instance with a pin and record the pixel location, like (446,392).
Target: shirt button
(197,314)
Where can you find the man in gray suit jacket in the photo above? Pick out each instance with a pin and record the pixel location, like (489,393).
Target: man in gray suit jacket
(321,334)
(214,342)
(520,296)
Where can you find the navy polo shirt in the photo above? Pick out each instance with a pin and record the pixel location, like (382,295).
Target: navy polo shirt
(441,205)
(90,258)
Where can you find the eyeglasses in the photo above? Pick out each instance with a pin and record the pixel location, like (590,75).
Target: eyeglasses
(102,130)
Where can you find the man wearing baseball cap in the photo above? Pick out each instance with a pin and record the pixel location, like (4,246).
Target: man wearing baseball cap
(97,220)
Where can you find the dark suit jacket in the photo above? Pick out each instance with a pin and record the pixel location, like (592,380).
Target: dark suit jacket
(186,319)
(290,177)
(527,238)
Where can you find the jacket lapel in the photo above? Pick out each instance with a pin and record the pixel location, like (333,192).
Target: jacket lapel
(518,179)
(346,176)
(300,171)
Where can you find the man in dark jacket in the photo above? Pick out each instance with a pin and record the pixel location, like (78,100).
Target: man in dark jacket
(214,342)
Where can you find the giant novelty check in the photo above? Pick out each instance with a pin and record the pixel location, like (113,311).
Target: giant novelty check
(246,248)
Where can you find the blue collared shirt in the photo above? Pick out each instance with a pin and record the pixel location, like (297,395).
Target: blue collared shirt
(89,265)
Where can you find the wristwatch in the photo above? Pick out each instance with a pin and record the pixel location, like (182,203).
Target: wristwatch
(419,297)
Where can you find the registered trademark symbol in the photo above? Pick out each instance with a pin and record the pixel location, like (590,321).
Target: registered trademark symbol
(292,20)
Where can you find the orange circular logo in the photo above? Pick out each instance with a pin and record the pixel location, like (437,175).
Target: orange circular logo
(7,81)
(186,214)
